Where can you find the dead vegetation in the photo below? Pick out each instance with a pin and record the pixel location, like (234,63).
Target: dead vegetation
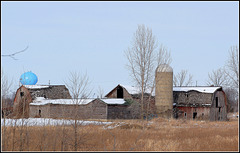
(128,135)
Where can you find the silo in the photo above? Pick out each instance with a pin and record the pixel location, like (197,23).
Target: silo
(164,91)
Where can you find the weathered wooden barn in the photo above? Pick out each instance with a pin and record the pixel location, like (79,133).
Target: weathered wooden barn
(208,103)
(109,108)
(54,101)
(27,93)
(134,94)
(202,103)
(122,102)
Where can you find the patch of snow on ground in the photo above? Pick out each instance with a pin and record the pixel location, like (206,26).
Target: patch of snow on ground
(47,121)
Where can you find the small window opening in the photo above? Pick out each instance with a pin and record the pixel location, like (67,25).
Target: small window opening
(119,92)
(39,113)
(219,110)
(185,114)
(216,101)
(194,115)
(202,114)
(21,94)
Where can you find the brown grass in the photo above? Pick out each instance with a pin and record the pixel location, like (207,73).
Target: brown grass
(134,135)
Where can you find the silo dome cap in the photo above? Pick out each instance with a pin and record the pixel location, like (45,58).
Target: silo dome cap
(164,68)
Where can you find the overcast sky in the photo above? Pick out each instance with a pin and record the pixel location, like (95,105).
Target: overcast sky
(92,37)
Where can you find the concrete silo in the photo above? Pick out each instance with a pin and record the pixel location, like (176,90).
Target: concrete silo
(164,91)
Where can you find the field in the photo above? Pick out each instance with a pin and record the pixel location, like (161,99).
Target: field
(125,135)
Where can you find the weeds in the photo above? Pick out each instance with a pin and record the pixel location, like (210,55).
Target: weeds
(134,135)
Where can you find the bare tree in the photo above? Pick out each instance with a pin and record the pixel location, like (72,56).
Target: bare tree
(6,84)
(140,57)
(232,98)
(232,66)
(78,86)
(15,53)
(100,92)
(217,78)
(182,79)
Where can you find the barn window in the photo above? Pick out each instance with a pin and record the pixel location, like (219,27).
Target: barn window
(39,113)
(194,115)
(119,92)
(216,101)
(21,94)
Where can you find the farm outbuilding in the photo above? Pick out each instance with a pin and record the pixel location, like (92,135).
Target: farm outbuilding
(208,103)
(122,102)
(25,94)
(133,94)
(81,109)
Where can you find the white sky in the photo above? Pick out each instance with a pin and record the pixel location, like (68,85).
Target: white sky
(92,37)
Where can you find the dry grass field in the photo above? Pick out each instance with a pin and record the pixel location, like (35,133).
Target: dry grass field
(156,135)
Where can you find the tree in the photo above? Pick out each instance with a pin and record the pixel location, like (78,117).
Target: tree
(143,60)
(13,54)
(232,66)
(140,57)
(181,79)
(217,78)
(232,98)
(100,92)
(232,77)
(78,86)
(5,89)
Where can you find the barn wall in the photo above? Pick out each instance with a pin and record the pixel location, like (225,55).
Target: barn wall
(34,111)
(219,112)
(192,102)
(113,94)
(94,110)
(118,112)
(203,113)
(192,97)
(21,102)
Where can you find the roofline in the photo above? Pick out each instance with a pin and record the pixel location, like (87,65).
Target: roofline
(112,90)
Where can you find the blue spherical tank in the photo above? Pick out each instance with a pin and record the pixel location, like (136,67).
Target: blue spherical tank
(28,78)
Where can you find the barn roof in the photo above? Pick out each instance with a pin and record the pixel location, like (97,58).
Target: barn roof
(136,90)
(199,89)
(36,86)
(43,101)
(132,90)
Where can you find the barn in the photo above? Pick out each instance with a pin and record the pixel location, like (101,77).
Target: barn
(25,94)
(200,103)
(54,101)
(106,108)
(208,103)
(133,94)
(122,102)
